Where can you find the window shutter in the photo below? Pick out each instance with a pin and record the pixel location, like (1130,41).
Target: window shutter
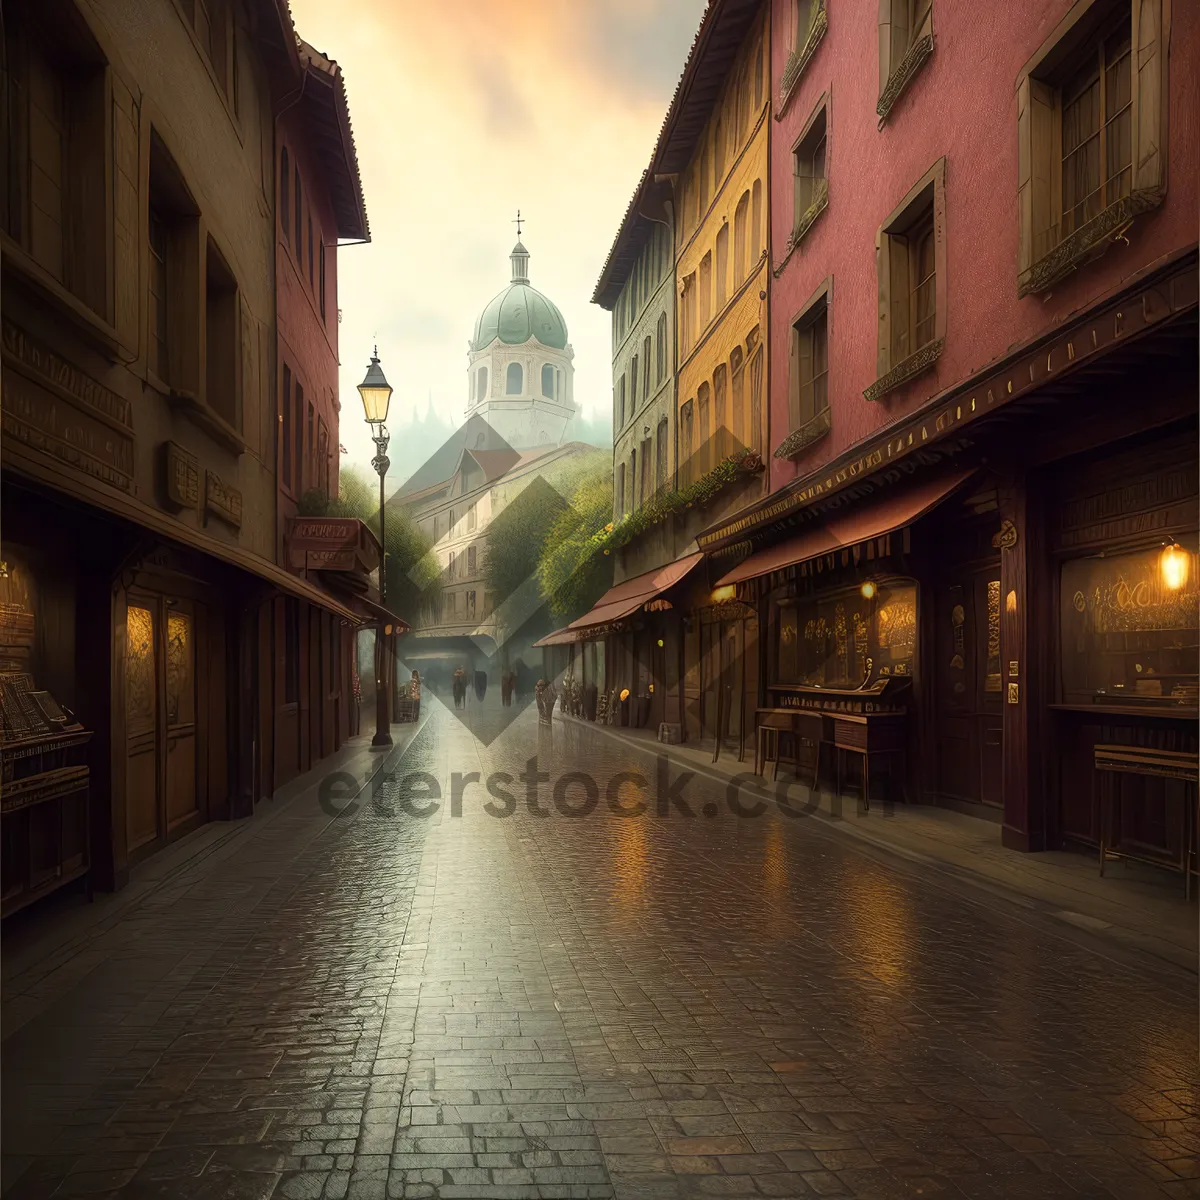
(1024,179)
(883,270)
(901,318)
(1044,125)
(804,408)
(1149,95)
(901,34)
(885,43)
(794,378)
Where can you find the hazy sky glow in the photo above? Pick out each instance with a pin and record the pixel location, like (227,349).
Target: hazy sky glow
(464,112)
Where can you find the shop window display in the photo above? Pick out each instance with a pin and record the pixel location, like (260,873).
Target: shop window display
(850,637)
(1130,628)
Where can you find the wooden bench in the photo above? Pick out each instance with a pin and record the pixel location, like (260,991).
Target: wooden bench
(1112,761)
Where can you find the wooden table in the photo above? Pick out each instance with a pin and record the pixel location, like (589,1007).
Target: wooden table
(868,735)
(770,722)
(1114,760)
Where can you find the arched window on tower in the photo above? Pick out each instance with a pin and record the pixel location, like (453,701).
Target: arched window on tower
(548,381)
(756,229)
(481,384)
(514,383)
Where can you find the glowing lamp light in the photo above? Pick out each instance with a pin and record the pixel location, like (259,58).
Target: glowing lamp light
(722,594)
(1010,602)
(1175,565)
(624,693)
(376,392)
(660,642)
(868,590)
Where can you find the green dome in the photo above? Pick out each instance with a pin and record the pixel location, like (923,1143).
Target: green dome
(520,312)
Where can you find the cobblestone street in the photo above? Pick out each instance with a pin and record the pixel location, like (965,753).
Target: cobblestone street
(383,1005)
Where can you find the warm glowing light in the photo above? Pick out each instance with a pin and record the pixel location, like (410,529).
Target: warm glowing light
(1175,567)
(1010,602)
(651,687)
(660,642)
(624,693)
(868,590)
(721,594)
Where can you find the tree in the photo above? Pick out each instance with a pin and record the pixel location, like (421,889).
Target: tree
(572,574)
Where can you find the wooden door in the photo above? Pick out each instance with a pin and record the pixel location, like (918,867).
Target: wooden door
(968,675)
(141,726)
(179,689)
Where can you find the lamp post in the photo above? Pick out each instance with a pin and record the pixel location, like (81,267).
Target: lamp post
(376,395)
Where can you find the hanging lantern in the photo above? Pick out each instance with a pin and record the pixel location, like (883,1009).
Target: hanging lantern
(1175,566)
(868,590)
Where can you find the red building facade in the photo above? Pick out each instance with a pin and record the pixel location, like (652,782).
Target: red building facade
(977,565)
(319,204)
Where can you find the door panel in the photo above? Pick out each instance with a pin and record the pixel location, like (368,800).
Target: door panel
(180,689)
(141,726)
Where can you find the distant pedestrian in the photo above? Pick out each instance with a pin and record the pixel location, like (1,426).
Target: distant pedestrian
(414,690)
(480,685)
(460,688)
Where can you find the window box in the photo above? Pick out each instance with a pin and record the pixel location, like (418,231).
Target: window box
(910,249)
(1092,138)
(798,59)
(905,45)
(813,430)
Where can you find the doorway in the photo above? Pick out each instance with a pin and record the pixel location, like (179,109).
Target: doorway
(969,700)
(161,801)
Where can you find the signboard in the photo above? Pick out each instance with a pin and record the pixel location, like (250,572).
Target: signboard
(331,544)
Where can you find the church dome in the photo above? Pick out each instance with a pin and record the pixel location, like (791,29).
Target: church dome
(520,312)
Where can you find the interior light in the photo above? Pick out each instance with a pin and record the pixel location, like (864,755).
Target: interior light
(721,594)
(868,590)
(1175,565)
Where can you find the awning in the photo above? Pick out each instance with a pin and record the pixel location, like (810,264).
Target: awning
(370,612)
(626,598)
(560,637)
(886,515)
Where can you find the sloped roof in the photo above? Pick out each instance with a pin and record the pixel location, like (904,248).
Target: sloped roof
(328,113)
(714,50)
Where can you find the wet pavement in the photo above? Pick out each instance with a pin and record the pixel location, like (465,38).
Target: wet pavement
(557,998)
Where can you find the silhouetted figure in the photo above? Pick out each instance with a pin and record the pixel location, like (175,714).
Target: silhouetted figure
(480,685)
(460,687)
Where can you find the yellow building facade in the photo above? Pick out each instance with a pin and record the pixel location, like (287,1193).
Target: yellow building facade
(721,264)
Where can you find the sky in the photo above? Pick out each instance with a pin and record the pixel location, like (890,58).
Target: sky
(464,111)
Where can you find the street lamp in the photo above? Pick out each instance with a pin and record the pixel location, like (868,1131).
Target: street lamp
(376,394)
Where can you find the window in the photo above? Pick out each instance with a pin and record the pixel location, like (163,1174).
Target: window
(514,382)
(646,368)
(222,354)
(471,604)
(451,570)
(804,16)
(810,181)
(687,469)
(311,474)
(548,381)
(809,368)
(910,253)
(53,158)
(481,383)
(1091,131)
(661,347)
(704,447)
(705,171)
(159,330)
(722,264)
(646,484)
(687,309)
(758,73)
(299,218)
(213,23)
(721,447)
(739,237)
(754,346)
(660,457)
(738,387)
(633,385)
(705,290)
(741,105)
(619,493)
(298,442)
(905,42)
(321,277)
(621,403)
(471,518)
(756,224)
(471,561)
(285,185)
(310,251)
(718,153)
(285,428)
(322,456)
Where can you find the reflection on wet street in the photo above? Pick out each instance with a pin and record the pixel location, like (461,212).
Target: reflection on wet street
(640,999)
